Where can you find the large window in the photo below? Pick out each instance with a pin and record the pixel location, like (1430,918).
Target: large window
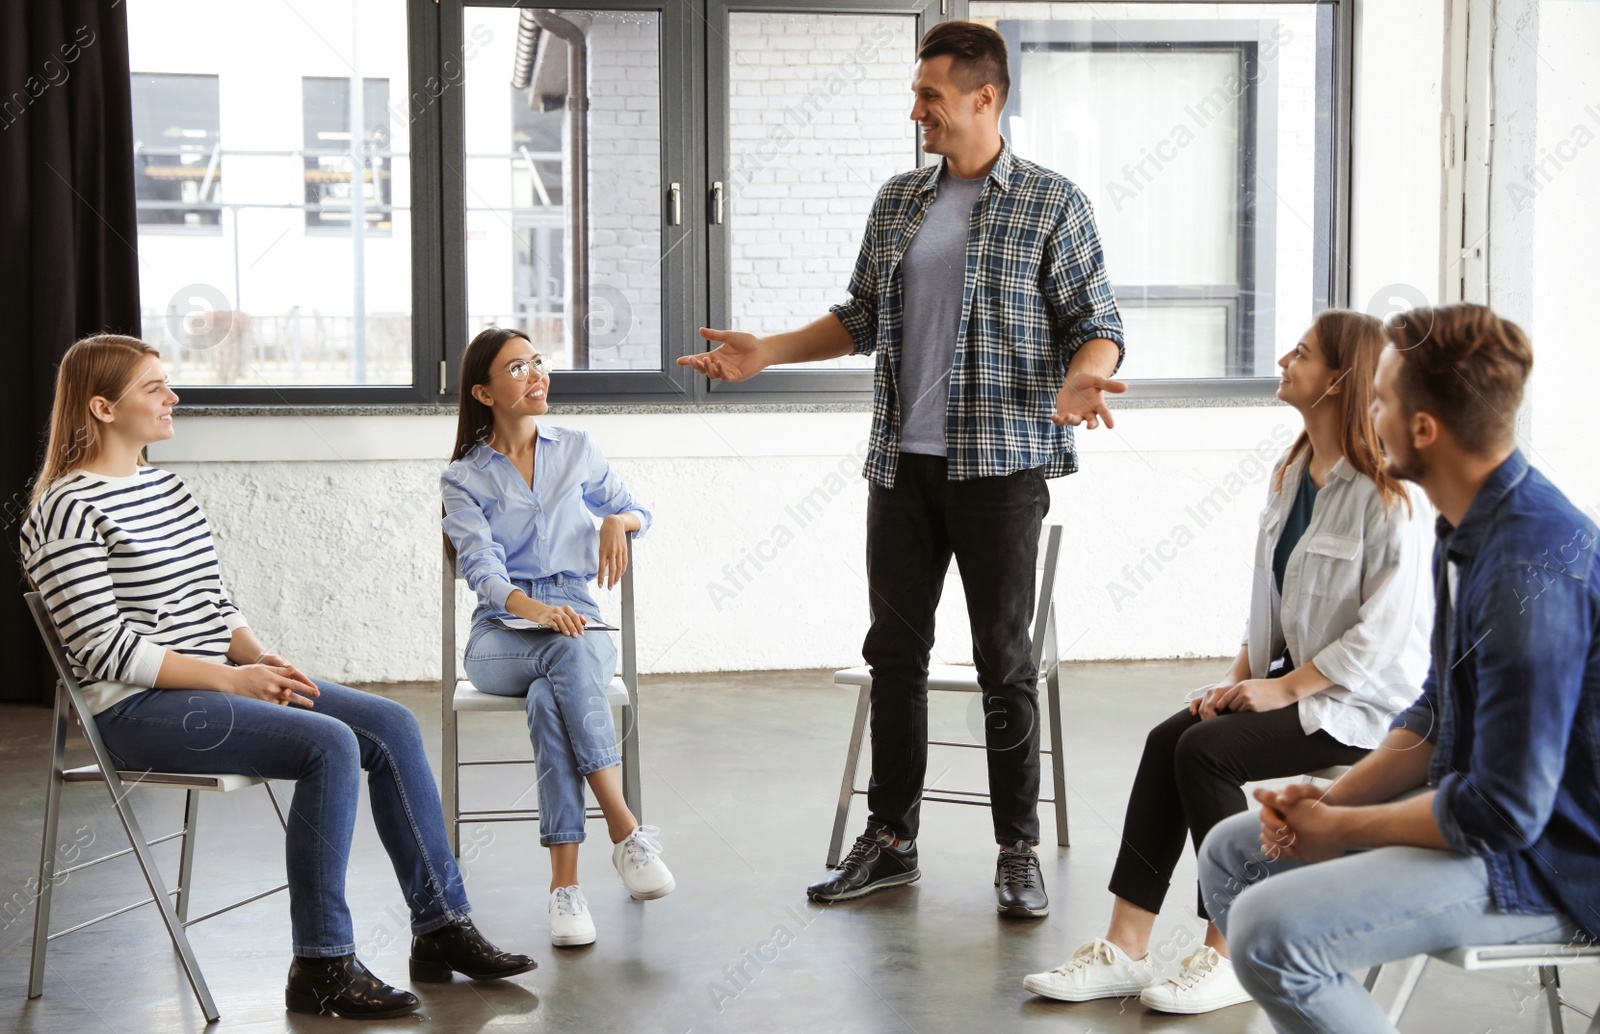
(810,141)
(609,179)
(575,265)
(257,290)
(1203,136)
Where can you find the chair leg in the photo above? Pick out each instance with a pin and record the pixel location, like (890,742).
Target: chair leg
(1408,986)
(1550,981)
(450,772)
(158,891)
(852,763)
(1058,751)
(191,818)
(47,849)
(276,807)
(630,761)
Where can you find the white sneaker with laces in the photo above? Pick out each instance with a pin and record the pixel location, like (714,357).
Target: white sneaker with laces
(570,921)
(1099,969)
(638,862)
(1205,982)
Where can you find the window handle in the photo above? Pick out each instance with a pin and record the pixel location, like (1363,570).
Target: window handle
(716,203)
(675,204)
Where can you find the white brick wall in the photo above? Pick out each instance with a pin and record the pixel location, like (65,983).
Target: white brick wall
(625,192)
(819,110)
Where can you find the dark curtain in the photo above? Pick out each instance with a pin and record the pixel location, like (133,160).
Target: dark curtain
(68,266)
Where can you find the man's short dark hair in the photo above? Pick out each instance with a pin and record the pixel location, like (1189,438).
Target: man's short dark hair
(1464,365)
(978,53)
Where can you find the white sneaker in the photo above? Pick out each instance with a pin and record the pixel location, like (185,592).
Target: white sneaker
(1099,969)
(1205,982)
(638,862)
(570,921)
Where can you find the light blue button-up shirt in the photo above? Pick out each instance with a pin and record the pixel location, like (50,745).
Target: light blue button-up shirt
(505,532)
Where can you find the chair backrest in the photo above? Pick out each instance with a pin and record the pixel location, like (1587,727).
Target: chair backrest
(69,693)
(451,572)
(1044,620)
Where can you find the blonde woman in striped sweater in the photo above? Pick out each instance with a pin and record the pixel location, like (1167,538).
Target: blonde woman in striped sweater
(124,559)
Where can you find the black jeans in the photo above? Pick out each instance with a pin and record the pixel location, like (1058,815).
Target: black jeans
(991,526)
(1191,778)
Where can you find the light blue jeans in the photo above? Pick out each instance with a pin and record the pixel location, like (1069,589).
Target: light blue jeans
(564,679)
(1296,938)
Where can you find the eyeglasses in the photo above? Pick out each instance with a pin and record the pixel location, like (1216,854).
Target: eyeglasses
(520,368)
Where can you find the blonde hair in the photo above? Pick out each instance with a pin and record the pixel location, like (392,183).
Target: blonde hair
(103,365)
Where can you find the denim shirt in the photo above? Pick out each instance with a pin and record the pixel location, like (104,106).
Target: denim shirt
(508,535)
(1512,699)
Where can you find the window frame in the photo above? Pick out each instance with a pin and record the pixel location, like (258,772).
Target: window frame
(1330,205)
(695,280)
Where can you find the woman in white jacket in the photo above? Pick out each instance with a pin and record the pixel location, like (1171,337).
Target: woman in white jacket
(1337,642)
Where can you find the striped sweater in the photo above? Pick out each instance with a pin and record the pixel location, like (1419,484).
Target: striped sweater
(127,570)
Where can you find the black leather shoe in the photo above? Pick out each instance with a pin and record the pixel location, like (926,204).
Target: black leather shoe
(460,948)
(872,864)
(342,986)
(1019,885)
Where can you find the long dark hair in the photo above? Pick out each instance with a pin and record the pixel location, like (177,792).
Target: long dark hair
(1350,343)
(476,420)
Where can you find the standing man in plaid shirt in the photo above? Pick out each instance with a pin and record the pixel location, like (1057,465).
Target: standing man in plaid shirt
(982,289)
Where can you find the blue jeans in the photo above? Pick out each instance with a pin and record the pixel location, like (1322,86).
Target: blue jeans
(323,750)
(1295,938)
(564,679)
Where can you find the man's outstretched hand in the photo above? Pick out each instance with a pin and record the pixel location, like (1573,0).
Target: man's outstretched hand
(737,358)
(1081,400)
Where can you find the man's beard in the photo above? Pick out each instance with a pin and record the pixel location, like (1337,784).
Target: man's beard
(1404,463)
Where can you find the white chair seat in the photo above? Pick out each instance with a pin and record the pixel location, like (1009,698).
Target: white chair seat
(948,678)
(183,780)
(1332,773)
(469,698)
(1505,956)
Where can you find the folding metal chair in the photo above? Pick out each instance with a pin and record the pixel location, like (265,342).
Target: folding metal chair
(458,696)
(1548,959)
(954,678)
(69,702)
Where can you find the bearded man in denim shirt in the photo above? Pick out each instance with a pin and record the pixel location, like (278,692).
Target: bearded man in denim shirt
(1478,820)
(982,290)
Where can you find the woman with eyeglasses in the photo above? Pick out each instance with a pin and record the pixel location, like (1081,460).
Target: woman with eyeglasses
(518,499)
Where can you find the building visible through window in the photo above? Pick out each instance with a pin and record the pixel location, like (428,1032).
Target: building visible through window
(330,158)
(177,146)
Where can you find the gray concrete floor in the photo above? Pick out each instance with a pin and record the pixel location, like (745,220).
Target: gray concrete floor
(741,772)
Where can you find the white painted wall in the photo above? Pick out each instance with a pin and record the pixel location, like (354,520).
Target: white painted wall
(756,558)
(1542,243)
(329,539)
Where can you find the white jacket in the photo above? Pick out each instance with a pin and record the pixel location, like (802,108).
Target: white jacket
(1357,601)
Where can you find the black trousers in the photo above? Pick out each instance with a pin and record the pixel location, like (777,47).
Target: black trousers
(1191,778)
(991,526)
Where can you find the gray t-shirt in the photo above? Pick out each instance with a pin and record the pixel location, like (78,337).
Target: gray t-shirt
(933,273)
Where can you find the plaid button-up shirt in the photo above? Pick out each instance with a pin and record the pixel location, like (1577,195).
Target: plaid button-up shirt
(1035,291)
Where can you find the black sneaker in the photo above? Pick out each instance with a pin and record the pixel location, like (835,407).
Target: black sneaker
(872,864)
(1019,883)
